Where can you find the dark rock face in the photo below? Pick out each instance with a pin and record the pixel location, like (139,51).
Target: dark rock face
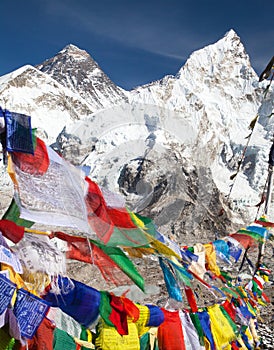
(183,203)
(76,70)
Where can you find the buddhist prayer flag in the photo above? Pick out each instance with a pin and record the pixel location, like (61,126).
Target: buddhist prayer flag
(13,214)
(56,197)
(113,263)
(18,132)
(76,299)
(113,227)
(11,231)
(34,164)
(7,289)
(29,311)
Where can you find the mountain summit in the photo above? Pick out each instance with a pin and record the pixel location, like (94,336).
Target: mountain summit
(75,69)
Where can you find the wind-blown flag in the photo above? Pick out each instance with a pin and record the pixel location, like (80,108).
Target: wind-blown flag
(245,240)
(13,214)
(113,226)
(76,299)
(113,263)
(170,281)
(252,233)
(53,195)
(34,164)
(18,132)
(11,231)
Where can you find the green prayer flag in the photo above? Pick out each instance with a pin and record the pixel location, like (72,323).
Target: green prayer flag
(125,264)
(197,324)
(252,234)
(181,274)
(5,339)
(230,291)
(105,308)
(125,237)
(144,342)
(63,340)
(149,224)
(13,214)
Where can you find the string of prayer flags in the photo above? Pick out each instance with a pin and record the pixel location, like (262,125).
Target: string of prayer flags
(263,222)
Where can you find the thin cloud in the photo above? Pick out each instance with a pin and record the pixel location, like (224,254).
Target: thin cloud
(155,34)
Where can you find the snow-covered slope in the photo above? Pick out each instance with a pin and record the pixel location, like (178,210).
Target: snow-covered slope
(50,105)
(218,92)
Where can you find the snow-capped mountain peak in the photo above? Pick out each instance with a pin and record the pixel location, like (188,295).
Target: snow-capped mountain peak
(75,69)
(75,52)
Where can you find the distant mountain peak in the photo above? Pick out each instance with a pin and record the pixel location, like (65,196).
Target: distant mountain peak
(231,34)
(75,69)
(75,52)
(224,59)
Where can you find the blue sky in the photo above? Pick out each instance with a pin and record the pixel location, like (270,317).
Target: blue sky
(133,41)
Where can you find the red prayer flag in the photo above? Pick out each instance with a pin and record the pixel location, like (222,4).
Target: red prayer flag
(12,231)
(36,163)
(98,217)
(191,299)
(120,218)
(82,250)
(245,240)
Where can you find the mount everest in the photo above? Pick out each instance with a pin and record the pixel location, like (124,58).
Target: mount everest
(168,147)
